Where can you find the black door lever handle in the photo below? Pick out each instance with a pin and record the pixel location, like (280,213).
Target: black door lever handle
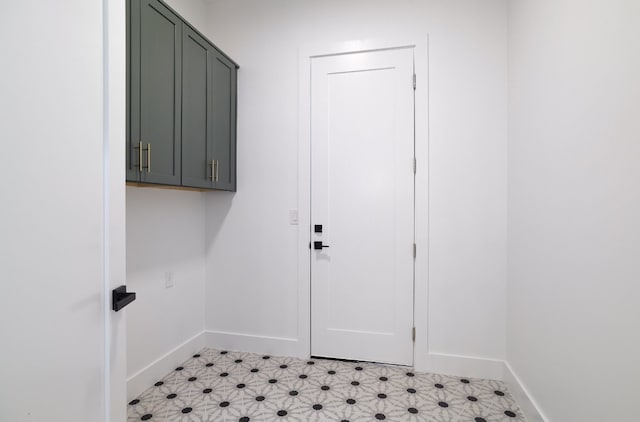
(121,298)
(318,245)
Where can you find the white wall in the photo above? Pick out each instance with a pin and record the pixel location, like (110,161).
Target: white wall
(252,250)
(194,11)
(574,202)
(165,233)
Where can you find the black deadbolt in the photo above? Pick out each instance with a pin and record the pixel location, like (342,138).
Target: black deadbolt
(318,245)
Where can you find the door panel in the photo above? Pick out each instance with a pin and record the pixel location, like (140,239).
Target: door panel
(362,194)
(158,90)
(224,123)
(52,220)
(197,141)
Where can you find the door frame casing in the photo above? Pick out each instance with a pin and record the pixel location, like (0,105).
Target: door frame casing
(421,211)
(114,120)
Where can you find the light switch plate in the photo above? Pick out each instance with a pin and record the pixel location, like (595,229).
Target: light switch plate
(168,279)
(293,217)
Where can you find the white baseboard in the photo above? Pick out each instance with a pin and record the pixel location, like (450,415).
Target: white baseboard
(497,369)
(146,377)
(463,366)
(527,404)
(278,346)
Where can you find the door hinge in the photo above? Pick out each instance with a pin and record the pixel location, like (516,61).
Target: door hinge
(414,250)
(414,81)
(415,166)
(413,334)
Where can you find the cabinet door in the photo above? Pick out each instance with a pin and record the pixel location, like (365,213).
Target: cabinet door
(134,172)
(156,50)
(224,122)
(197,116)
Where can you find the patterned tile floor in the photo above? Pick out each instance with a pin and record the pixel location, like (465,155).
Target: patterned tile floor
(230,386)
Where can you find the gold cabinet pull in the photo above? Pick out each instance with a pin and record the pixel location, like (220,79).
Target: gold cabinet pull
(148,158)
(148,149)
(211,164)
(217,169)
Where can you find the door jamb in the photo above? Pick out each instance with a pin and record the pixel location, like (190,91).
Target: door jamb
(421,211)
(114,236)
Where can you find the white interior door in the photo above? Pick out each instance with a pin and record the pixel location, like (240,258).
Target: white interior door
(362,194)
(62,213)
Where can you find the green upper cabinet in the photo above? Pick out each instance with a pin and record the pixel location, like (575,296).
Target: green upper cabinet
(182,103)
(224,84)
(156,51)
(197,118)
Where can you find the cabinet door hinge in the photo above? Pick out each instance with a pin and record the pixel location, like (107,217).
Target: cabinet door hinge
(414,81)
(413,334)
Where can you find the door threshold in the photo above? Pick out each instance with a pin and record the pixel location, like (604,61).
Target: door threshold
(361,361)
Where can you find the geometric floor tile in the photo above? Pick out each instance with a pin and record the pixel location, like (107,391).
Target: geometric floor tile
(227,386)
